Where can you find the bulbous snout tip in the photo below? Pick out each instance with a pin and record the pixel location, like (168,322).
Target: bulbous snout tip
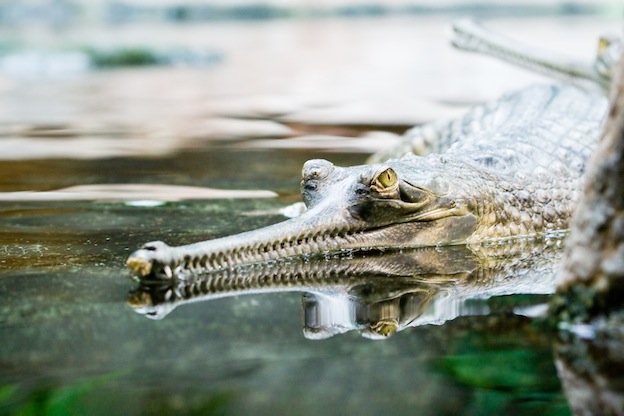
(141,262)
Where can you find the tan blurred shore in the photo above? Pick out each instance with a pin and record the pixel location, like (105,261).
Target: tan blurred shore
(277,79)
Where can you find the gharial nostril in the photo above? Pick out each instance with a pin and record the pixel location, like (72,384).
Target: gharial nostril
(310,185)
(154,245)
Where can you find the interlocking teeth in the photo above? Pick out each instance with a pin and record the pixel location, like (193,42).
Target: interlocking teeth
(184,267)
(168,272)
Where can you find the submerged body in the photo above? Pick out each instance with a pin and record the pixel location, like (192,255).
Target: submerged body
(509,169)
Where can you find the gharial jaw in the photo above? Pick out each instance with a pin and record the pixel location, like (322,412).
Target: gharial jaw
(363,207)
(158,259)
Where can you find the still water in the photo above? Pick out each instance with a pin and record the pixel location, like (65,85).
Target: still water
(450,331)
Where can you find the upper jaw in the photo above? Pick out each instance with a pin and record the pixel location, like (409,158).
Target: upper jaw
(315,230)
(312,233)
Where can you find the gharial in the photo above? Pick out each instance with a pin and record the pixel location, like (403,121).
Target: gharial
(509,169)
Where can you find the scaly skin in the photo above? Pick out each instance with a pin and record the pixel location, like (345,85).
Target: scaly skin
(507,170)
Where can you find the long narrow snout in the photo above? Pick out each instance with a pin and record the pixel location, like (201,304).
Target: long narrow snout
(311,233)
(363,207)
(314,231)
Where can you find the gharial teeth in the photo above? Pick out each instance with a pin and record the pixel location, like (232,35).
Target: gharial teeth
(287,247)
(168,271)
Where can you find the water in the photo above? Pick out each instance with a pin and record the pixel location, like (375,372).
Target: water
(72,340)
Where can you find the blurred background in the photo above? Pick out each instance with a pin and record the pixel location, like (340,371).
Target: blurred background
(137,78)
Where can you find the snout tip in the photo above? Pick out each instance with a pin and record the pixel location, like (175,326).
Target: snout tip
(150,260)
(139,264)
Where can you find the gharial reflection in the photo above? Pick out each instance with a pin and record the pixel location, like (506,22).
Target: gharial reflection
(374,292)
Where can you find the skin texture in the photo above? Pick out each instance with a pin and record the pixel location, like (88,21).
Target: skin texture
(511,169)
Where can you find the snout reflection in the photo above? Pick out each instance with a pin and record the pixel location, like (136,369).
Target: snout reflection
(375,293)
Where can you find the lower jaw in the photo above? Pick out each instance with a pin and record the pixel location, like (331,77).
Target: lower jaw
(191,259)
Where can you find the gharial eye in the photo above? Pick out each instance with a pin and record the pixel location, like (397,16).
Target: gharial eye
(603,43)
(385,327)
(387,178)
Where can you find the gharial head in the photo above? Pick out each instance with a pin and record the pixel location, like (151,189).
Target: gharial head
(372,198)
(409,202)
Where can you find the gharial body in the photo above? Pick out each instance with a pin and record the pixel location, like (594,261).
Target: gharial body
(510,169)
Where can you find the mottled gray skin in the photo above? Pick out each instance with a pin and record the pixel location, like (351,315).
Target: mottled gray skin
(507,170)
(594,77)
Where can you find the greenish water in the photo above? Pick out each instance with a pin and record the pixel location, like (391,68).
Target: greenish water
(71,344)
(74,335)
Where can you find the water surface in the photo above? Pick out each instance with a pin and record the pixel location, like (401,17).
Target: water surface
(72,342)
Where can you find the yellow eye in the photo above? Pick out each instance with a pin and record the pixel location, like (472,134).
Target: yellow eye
(603,44)
(387,178)
(385,327)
